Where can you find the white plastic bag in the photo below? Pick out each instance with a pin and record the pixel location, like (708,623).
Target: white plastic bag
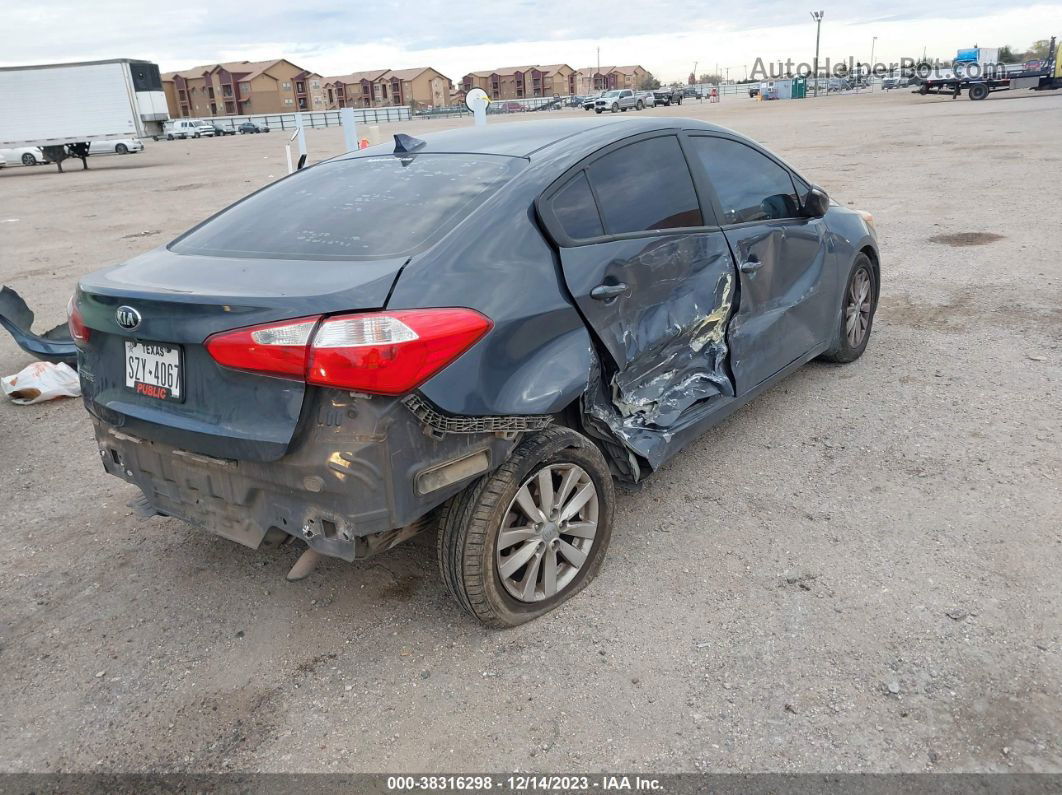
(41,381)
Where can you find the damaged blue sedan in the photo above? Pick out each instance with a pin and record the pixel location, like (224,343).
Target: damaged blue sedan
(475,333)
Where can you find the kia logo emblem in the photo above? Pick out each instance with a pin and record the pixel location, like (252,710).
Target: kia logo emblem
(127,317)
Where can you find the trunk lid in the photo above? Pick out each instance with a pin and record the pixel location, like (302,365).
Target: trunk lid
(183,299)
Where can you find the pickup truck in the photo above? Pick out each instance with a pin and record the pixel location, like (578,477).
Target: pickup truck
(667,96)
(617,100)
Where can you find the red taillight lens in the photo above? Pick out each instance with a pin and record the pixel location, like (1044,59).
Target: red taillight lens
(387,353)
(274,348)
(78,330)
(391,353)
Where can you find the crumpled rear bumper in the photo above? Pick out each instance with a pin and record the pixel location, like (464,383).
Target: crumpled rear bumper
(359,474)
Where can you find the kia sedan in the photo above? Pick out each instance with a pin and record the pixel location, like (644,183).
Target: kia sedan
(473,333)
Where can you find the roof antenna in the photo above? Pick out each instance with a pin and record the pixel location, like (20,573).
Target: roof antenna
(405,144)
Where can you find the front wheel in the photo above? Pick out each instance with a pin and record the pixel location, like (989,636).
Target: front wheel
(121,149)
(28,159)
(858,305)
(526,538)
(640,106)
(598,110)
(678,101)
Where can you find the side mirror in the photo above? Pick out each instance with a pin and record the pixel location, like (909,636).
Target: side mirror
(816,203)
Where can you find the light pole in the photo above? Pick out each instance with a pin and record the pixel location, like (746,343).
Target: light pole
(870,77)
(817,16)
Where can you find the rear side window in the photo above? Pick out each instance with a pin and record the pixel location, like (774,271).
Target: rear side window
(645,186)
(750,186)
(360,208)
(574,207)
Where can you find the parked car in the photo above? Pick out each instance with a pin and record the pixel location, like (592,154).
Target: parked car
(890,82)
(187,128)
(289,369)
(668,96)
(591,102)
(622,99)
(221,131)
(24,155)
(252,127)
(647,98)
(123,146)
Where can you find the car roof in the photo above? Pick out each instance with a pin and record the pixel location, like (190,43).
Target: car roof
(526,138)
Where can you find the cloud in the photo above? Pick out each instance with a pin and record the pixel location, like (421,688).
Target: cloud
(457,38)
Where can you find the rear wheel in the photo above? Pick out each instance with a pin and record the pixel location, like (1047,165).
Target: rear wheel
(978,91)
(857,314)
(28,159)
(640,105)
(678,101)
(526,538)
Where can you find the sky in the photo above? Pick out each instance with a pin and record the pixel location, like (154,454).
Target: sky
(665,36)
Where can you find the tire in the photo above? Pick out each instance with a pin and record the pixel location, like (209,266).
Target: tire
(598,110)
(121,149)
(471,522)
(923,89)
(978,91)
(195,135)
(169,136)
(640,106)
(28,159)
(677,101)
(843,349)
(615,108)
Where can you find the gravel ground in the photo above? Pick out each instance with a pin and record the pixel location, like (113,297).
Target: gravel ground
(857,572)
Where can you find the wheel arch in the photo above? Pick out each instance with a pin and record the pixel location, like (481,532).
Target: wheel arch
(872,255)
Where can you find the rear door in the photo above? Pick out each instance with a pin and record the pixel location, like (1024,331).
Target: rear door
(781,257)
(651,274)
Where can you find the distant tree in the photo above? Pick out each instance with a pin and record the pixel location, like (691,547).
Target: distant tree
(649,83)
(1038,51)
(708,77)
(1006,55)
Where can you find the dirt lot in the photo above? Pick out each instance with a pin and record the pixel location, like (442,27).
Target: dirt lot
(859,571)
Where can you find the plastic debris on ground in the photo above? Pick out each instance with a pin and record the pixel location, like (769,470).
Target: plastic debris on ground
(41,381)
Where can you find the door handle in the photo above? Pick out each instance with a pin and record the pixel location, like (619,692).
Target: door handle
(606,292)
(751,265)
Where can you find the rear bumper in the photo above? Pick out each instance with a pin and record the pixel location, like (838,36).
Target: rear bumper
(358,475)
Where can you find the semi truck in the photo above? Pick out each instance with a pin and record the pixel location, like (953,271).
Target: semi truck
(62,108)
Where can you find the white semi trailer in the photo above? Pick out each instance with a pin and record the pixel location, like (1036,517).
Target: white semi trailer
(63,107)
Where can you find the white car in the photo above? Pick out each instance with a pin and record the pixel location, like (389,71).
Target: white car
(24,155)
(647,97)
(122,146)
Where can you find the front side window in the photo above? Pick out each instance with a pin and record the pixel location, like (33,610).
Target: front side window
(750,186)
(645,186)
(357,208)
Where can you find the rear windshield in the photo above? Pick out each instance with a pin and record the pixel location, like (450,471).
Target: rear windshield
(354,209)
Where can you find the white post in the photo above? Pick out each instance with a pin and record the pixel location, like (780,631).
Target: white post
(302,134)
(350,129)
(287,151)
(479,111)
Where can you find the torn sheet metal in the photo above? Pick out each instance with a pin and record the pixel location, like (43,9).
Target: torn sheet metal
(54,345)
(663,338)
(682,369)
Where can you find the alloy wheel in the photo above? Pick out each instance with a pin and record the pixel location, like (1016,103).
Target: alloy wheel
(857,308)
(547,533)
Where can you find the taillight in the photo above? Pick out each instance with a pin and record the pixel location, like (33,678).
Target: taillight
(387,353)
(79,332)
(274,348)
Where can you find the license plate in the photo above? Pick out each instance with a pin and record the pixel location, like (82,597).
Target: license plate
(153,370)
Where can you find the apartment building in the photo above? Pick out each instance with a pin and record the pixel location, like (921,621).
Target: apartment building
(243,87)
(420,86)
(592,79)
(519,82)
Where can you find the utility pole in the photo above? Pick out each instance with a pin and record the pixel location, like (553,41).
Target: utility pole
(817,16)
(746,72)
